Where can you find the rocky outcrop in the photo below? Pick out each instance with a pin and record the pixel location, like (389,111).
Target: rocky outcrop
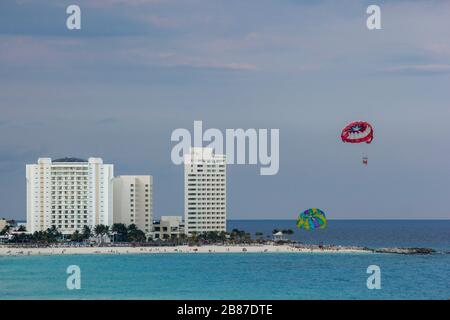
(405,250)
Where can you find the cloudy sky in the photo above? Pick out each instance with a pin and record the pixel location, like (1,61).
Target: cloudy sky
(138,69)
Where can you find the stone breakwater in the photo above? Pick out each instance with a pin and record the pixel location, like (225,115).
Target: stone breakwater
(405,250)
(395,250)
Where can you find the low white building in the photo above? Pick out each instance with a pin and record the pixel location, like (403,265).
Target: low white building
(279,236)
(168,227)
(133,201)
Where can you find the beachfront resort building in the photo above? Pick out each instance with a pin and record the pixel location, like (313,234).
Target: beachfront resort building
(204,191)
(69,193)
(133,201)
(168,227)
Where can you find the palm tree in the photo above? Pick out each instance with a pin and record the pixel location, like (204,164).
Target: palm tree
(37,236)
(288,231)
(223,236)
(137,236)
(52,234)
(134,234)
(237,235)
(259,235)
(182,237)
(86,232)
(100,231)
(76,236)
(121,230)
(5,230)
(212,236)
(132,227)
(193,238)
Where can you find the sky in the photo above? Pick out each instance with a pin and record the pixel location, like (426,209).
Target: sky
(139,69)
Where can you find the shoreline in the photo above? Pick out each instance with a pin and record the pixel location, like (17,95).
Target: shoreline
(181,249)
(206,249)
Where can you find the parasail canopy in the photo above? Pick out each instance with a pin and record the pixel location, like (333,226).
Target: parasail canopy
(312,219)
(357,132)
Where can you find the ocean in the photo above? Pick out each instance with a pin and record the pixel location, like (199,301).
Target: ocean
(251,275)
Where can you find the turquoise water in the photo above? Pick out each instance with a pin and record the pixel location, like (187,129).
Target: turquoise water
(226,276)
(251,276)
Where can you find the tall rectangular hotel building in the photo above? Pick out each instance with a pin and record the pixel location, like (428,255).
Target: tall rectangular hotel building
(133,201)
(69,193)
(205,195)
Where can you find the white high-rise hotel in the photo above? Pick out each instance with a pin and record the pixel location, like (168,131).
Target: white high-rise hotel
(133,201)
(205,194)
(69,193)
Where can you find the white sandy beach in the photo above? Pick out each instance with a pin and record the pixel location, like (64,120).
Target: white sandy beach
(12,251)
